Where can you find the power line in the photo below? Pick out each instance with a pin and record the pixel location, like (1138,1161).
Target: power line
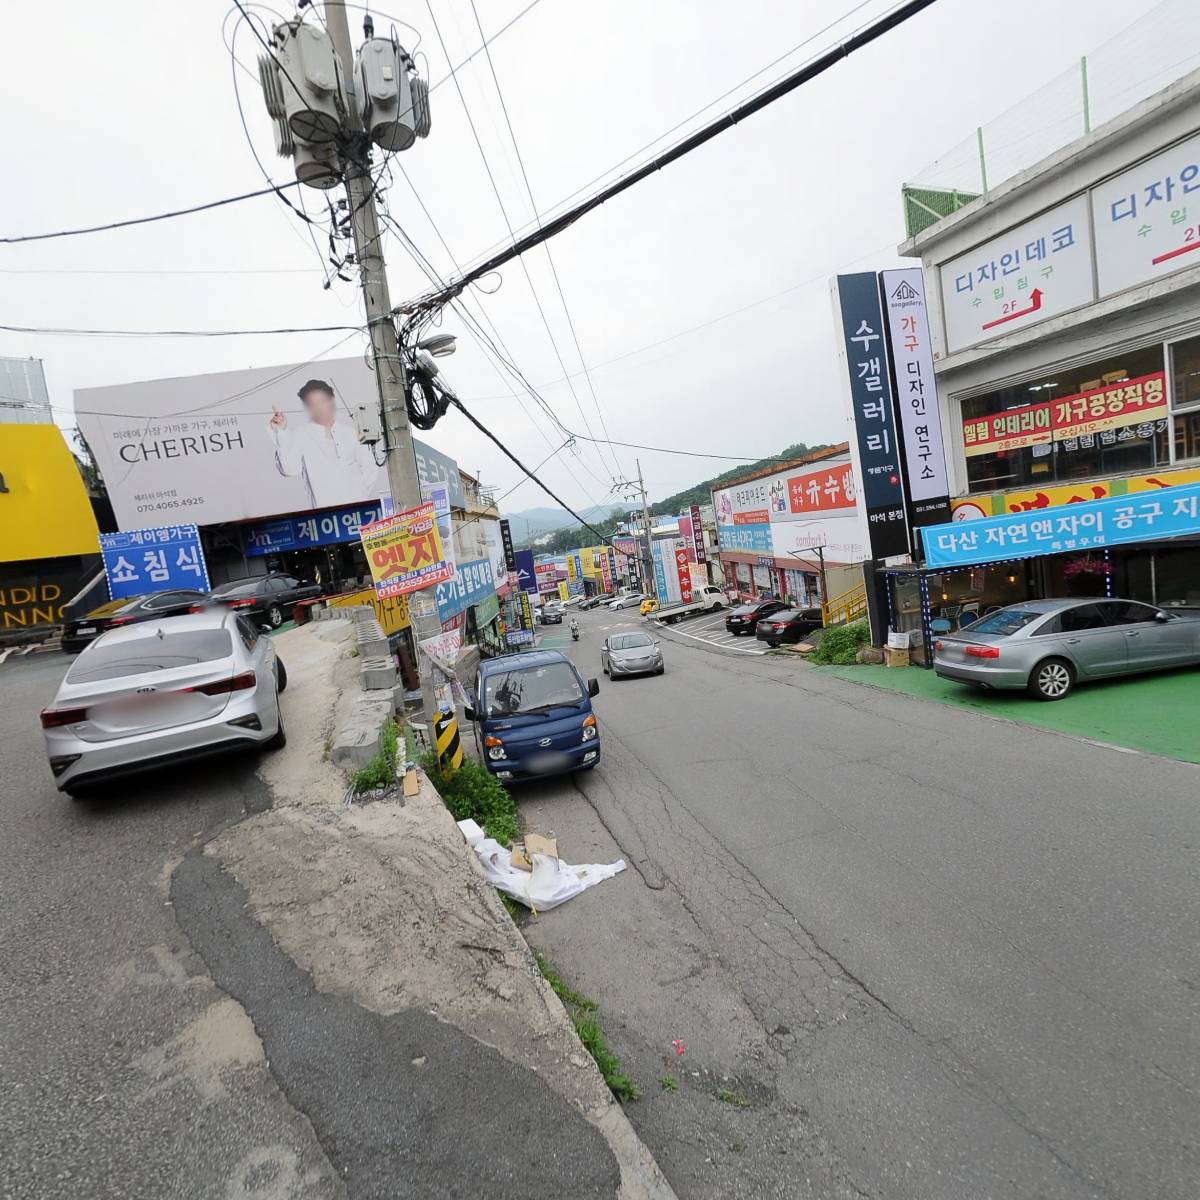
(53,331)
(487,42)
(549,255)
(805,74)
(165,216)
(504,213)
(159,271)
(700,454)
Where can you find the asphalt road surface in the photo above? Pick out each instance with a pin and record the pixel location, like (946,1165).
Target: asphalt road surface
(881,948)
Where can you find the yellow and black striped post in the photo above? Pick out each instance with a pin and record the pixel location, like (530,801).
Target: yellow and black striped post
(446,740)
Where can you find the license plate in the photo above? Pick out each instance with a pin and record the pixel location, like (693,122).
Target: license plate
(86,629)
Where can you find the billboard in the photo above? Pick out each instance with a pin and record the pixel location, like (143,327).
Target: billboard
(237,445)
(405,552)
(153,560)
(526,573)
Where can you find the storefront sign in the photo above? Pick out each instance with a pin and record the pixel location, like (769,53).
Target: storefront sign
(1130,402)
(871,412)
(471,583)
(698,533)
(1032,272)
(405,552)
(815,492)
(153,560)
(510,555)
(303,533)
(518,620)
(487,610)
(1090,525)
(926,481)
(564,592)
(606,578)
(392,613)
(34,594)
(683,571)
(240,445)
(995,504)
(526,572)
(1147,219)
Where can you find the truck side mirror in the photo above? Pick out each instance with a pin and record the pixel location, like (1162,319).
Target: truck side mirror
(468,714)
(593,687)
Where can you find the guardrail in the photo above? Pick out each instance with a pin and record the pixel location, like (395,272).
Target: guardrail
(847,607)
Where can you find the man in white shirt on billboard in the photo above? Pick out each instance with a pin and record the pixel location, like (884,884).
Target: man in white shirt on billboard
(336,467)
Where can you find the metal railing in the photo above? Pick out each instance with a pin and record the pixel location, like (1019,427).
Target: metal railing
(1142,59)
(847,607)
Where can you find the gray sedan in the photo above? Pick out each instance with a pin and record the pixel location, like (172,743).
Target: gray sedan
(1047,646)
(631,654)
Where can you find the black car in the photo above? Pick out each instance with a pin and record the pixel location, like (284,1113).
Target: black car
(81,631)
(266,599)
(788,625)
(552,614)
(745,618)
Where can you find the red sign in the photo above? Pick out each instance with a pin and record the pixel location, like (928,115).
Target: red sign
(698,533)
(1129,402)
(685,575)
(819,491)
(757,516)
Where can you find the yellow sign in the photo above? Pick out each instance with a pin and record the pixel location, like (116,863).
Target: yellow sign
(564,592)
(405,552)
(999,504)
(392,613)
(44,507)
(571,575)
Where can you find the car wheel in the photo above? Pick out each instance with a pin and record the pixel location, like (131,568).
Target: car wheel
(661,670)
(280,676)
(1052,679)
(279,739)
(274,616)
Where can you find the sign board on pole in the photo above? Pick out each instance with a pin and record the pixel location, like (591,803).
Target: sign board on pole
(564,591)
(698,533)
(927,485)
(1035,271)
(684,574)
(405,552)
(153,560)
(526,573)
(872,415)
(510,560)
(518,620)
(606,573)
(1147,219)
(444,649)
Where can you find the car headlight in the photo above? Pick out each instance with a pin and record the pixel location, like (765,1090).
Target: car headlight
(589,728)
(494,747)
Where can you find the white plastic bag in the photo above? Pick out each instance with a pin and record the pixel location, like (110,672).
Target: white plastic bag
(549,884)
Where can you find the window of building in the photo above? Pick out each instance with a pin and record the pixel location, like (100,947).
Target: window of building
(1103,418)
(1185,398)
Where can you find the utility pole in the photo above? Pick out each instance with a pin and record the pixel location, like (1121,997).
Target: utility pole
(649,564)
(403,480)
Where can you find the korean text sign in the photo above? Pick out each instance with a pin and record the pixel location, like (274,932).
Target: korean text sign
(916,395)
(1147,219)
(697,533)
(1032,272)
(471,583)
(405,552)
(1091,525)
(153,560)
(1129,402)
(872,413)
(302,533)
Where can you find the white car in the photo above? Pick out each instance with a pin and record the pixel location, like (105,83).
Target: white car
(161,692)
(634,600)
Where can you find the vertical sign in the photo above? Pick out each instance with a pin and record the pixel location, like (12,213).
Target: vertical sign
(510,560)
(606,574)
(683,570)
(698,533)
(871,413)
(526,572)
(916,397)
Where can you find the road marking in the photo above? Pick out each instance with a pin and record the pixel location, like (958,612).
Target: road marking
(720,645)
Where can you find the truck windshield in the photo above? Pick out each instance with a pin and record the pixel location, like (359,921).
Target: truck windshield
(531,689)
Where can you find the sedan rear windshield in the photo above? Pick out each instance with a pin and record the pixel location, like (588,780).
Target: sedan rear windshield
(115,660)
(238,587)
(1004,622)
(629,641)
(531,689)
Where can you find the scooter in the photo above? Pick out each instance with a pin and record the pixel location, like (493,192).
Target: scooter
(574,632)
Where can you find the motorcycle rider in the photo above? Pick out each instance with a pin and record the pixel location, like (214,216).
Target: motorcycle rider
(574,630)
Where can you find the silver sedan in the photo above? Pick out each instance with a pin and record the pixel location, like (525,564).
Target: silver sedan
(631,654)
(159,693)
(1047,646)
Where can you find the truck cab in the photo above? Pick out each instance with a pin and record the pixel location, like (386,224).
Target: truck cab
(532,714)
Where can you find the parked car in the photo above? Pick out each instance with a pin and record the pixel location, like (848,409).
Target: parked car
(552,614)
(631,654)
(82,631)
(159,693)
(788,625)
(1047,646)
(630,600)
(648,606)
(593,602)
(745,618)
(265,598)
(533,716)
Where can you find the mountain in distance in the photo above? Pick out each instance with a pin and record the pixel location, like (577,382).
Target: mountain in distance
(531,523)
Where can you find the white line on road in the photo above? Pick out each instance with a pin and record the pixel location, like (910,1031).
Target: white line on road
(719,645)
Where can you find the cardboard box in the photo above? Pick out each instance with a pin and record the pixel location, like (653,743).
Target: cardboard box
(895,658)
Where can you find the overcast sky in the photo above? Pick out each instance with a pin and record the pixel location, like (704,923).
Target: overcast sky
(122,109)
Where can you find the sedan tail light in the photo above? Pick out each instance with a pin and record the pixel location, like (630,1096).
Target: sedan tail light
(55,718)
(241,603)
(235,683)
(114,621)
(982,651)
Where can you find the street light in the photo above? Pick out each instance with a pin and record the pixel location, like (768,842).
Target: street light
(441,345)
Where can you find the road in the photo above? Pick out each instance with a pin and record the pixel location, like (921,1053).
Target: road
(906,951)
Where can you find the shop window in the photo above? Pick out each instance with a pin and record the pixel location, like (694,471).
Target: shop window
(1185,398)
(1104,418)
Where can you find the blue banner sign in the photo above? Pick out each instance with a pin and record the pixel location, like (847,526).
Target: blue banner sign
(1090,525)
(303,533)
(527,577)
(153,560)
(472,582)
(752,539)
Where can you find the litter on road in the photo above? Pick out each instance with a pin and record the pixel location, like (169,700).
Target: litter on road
(548,884)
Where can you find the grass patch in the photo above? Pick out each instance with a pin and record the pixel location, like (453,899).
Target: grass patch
(380,772)
(669,1083)
(472,792)
(737,1099)
(583,1016)
(840,644)
(518,912)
